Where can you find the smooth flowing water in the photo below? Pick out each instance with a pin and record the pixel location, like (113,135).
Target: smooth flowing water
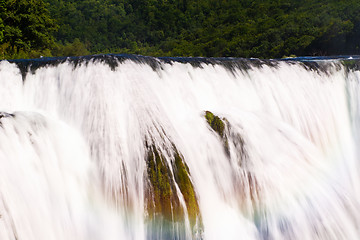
(110,148)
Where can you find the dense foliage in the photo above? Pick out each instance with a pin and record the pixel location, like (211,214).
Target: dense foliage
(25,26)
(239,28)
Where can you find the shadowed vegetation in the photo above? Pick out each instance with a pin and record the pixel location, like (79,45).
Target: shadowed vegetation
(247,28)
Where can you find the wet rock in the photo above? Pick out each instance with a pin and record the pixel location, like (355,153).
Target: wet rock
(161,196)
(5,115)
(218,125)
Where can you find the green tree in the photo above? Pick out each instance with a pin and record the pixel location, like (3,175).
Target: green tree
(27,25)
(1,30)
(2,9)
(214,28)
(76,48)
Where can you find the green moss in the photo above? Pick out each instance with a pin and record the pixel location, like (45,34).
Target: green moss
(161,196)
(351,64)
(215,123)
(218,125)
(162,199)
(186,187)
(209,117)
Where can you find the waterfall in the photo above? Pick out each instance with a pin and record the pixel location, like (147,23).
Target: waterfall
(130,147)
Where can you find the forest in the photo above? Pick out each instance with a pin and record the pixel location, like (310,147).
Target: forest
(204,28)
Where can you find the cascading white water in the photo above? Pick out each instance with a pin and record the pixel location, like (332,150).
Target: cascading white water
(73,150)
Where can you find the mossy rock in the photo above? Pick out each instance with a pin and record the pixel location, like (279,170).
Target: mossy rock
(215,123)
(351,64)
(218,125)
(161,196)
(182,178)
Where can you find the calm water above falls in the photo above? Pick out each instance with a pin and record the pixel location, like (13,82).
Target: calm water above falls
(129,147)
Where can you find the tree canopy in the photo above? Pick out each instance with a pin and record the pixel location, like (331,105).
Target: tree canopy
(27,25)
(214,28)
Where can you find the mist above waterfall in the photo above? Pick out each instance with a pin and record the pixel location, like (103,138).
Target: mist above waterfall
(129,147)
